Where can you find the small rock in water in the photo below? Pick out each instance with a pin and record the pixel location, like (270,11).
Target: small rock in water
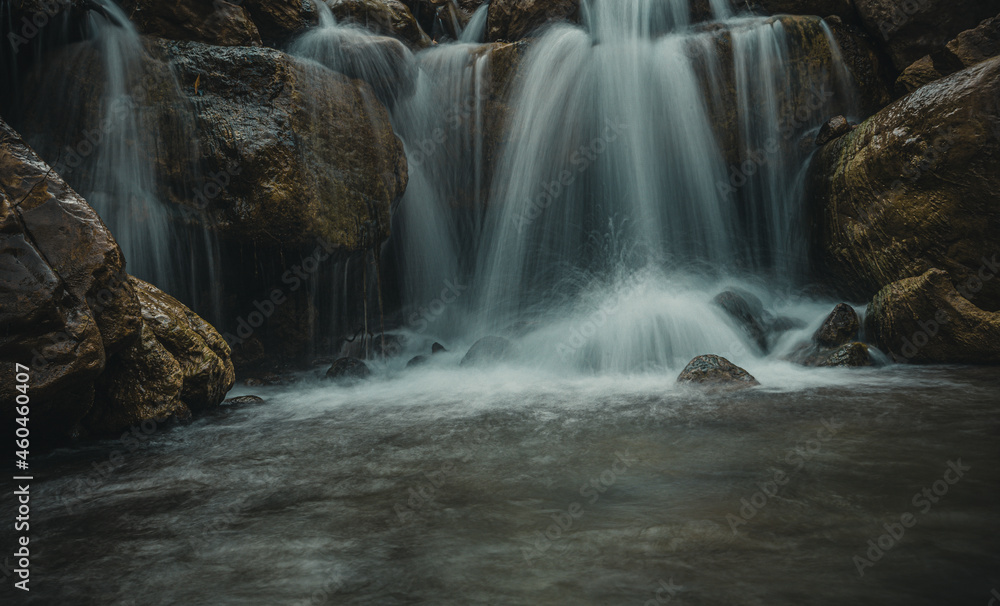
(417,361)
(243,400)
(852,355)
(716,371)
(348,368)
(840,327)
(437,348)
(748,312)
(488,349)
(834,128)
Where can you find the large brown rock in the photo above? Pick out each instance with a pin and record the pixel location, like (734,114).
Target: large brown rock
(512,20)
(915,187)
(386,17)
(279,20)
(910,30)
(311,154)
(65,302)
(925,319)
(178,364)
(967,49)
(217,22)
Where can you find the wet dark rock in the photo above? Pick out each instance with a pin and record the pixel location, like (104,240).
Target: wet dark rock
(417,361)
(925,319)
(279,20)
(66,303)
(437,348)
(783,324)
(965,50)
(840,327)
(716,371)
(244,400)
(914,187)
(179,364)
(386,17)
(910,30)
(748,313)
(488,350)
(836,126)
(218,22)
(511,20)
(852,355)
(872,71)
(348,368)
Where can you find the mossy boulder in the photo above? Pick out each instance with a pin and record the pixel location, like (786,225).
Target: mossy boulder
(926,319)
(914,187)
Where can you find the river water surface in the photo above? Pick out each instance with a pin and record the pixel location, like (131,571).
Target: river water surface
(508,486)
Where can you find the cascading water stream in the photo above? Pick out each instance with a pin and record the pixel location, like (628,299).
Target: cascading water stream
(109,124)
(645,168)
(122,182)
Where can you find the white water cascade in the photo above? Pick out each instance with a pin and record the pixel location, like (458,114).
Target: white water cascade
(647,164)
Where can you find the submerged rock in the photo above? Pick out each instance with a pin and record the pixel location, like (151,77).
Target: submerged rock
(852,355)
(348,369)
(840,327)
(748,313)
(244,400)
(927,320)
(831,344)
(488,350)
(417,361)
(915,187)
(716,371)
(437,348)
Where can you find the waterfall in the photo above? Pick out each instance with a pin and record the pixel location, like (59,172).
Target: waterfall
(475,29)
(644,169)
(122,181)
